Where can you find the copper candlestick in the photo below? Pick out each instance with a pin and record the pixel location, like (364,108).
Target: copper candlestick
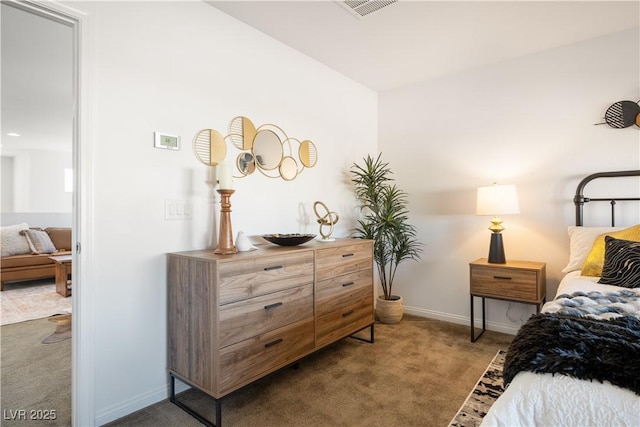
(225,239)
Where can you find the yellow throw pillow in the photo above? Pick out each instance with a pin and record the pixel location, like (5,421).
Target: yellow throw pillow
(595,260)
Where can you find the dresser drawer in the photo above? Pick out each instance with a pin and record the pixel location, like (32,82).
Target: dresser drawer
(247,360)
(340,291)
(345,320)
(245,319)
(507,283)
(338,260)
(243,279)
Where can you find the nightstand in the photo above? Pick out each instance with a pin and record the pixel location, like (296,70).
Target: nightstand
(517,281)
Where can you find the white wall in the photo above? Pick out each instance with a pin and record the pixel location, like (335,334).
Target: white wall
(179,68)
(6,184)
(36,181)
(528,122)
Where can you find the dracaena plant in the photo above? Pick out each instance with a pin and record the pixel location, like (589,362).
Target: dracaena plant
(384,219)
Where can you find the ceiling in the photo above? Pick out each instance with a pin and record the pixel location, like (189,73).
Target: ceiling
(413,41)
(37,81)
(400,44)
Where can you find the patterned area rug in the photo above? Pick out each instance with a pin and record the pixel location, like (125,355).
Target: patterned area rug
(33,300)
(486,391)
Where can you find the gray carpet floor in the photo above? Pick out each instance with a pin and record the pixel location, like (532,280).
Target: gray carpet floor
(418,373)
(35,377)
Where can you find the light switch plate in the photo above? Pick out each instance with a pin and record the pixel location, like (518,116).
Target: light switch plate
(177,209)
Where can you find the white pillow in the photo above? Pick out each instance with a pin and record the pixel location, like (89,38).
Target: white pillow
(12,242)
(580,242)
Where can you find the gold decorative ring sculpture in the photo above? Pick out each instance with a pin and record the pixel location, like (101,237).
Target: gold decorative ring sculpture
(329,219)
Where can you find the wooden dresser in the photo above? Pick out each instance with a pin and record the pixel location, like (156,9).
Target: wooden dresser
(236,318)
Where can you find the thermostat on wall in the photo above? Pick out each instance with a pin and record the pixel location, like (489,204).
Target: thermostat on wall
(164,140)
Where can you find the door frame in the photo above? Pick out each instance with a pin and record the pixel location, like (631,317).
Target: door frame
(82,322)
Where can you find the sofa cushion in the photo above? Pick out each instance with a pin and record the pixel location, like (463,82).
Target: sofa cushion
(39,241)
(12,242)
(29,260)
(61,237)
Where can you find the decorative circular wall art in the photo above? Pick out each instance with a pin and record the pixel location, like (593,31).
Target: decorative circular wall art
(265,148)
(209,147)
(622,114)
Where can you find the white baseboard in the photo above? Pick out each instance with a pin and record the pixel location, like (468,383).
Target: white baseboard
(461,320)
(123,409)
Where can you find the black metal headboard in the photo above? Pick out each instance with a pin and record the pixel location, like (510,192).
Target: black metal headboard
(579,200)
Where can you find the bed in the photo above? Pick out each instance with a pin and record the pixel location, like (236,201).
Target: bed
(577,362)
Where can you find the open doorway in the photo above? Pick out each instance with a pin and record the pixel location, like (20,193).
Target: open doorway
(38,157)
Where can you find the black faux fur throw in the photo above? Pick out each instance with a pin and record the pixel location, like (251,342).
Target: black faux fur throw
(580,347)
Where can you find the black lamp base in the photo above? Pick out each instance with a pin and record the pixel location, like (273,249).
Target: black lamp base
(496,250)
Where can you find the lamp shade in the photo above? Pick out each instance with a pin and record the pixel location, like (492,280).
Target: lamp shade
(497,200)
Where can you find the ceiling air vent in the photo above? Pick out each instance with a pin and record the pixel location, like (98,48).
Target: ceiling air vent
(362,8)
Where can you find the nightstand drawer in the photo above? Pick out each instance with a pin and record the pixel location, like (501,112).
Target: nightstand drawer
(520,283)
(504,287)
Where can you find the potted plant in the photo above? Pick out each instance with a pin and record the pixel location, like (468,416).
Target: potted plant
(385,221)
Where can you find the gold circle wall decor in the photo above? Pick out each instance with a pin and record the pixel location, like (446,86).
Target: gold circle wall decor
(308,154)
(266,148)
(209,147)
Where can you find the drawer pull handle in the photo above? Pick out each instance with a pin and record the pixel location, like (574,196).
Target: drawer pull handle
(348,313)
(502,277)
(272,343)
(275,267)
(346,255)
(274,305)
(347,284)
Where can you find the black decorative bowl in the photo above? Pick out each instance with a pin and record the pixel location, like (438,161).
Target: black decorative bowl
(288,239)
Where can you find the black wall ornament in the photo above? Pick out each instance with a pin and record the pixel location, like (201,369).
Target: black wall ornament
(622,114)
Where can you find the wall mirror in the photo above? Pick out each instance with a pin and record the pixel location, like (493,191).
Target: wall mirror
(266,148)
(246,163)
(288,168)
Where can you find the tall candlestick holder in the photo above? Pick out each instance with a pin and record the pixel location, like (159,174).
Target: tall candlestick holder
(225,239)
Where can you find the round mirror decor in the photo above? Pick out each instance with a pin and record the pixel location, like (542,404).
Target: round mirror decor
(288,168)
(267,150)
(246,163)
